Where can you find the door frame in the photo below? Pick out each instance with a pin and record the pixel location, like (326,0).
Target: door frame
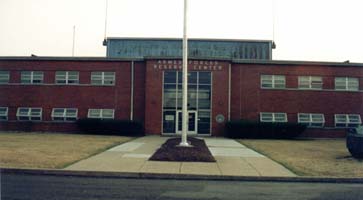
(179,132)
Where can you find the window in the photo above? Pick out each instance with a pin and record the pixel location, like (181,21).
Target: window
(29,114)
(31,77)
(64,114)
(346,83)
(67,77)
(3,113)
(347,120)
(273,81)
(101,113)
(273,117)
(4,77)
(310,82)
(103,78)
(311,119)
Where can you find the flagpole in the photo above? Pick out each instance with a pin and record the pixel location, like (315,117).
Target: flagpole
(184,141)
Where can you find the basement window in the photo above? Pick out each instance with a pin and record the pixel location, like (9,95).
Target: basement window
(29,114)
(4,113)
(273,117)
(101,113)
(347,120)
(64,114)
(311,119)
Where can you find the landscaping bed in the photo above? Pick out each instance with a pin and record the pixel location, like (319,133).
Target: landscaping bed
(314,157)
(51,150)
(169,151)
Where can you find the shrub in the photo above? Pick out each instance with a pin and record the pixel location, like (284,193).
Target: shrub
(263,130)
(111,127)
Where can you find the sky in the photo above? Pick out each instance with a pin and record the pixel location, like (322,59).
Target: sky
(310,30)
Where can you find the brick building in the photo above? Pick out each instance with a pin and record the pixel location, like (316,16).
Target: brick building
(140,79)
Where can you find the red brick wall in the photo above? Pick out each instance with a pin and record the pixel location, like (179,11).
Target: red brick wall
(248,99)
(49,96)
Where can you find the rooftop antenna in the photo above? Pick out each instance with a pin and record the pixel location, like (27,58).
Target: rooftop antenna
(74,37)
(106,13)
(273,23)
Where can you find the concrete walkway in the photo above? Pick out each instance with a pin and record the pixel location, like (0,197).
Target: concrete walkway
(233,159)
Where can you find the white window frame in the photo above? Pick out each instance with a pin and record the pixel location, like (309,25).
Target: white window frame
(274,81)
(30,114)
(101,113)
(348,120)
(311,119)
(4,115)
(64,79)
(31,76)
(65,115)
(310,82)
(4,77)
(274,117)
(346,83)
(103,77)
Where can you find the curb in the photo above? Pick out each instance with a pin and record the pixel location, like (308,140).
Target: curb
(139,175)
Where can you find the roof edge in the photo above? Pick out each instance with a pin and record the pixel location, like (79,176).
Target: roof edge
(192,39)
(65,58)
(297,62)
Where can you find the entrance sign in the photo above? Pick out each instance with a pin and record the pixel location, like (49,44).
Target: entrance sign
(200,65)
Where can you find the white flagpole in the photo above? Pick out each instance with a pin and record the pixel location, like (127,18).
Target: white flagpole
(184,141)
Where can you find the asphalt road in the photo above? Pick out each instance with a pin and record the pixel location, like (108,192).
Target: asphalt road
(17,186)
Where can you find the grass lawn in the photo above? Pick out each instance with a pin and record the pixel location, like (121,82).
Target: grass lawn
(51,150)
(310,157)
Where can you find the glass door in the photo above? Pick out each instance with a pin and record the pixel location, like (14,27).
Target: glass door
(192,122)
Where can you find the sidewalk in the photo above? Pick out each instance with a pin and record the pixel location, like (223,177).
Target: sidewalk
(233,159)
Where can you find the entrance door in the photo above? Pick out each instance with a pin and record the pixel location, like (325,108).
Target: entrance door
(192,122)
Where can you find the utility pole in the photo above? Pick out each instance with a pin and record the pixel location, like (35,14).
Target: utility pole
(184,141)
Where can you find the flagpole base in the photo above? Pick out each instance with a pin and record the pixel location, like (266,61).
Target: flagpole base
(184,144)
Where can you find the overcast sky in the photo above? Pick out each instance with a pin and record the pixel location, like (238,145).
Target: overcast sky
(317,30)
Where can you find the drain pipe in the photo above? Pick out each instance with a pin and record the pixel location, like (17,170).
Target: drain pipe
(229,92)
(132,92)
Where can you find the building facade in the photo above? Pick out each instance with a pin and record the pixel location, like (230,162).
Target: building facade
(50,93)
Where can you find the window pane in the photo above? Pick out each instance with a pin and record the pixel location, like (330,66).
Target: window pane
(94,113)
(107,113)
(204,122)
(58,112)
(169,96)
(192,97)
(280,117)
(192,78)
(169,122)
(204,96)
(3,110)
(204,78)
(170,77)
(4,77)
(23,111)
(36,112)
(266,117)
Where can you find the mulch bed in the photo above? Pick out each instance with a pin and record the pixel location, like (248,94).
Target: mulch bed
(169,151)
